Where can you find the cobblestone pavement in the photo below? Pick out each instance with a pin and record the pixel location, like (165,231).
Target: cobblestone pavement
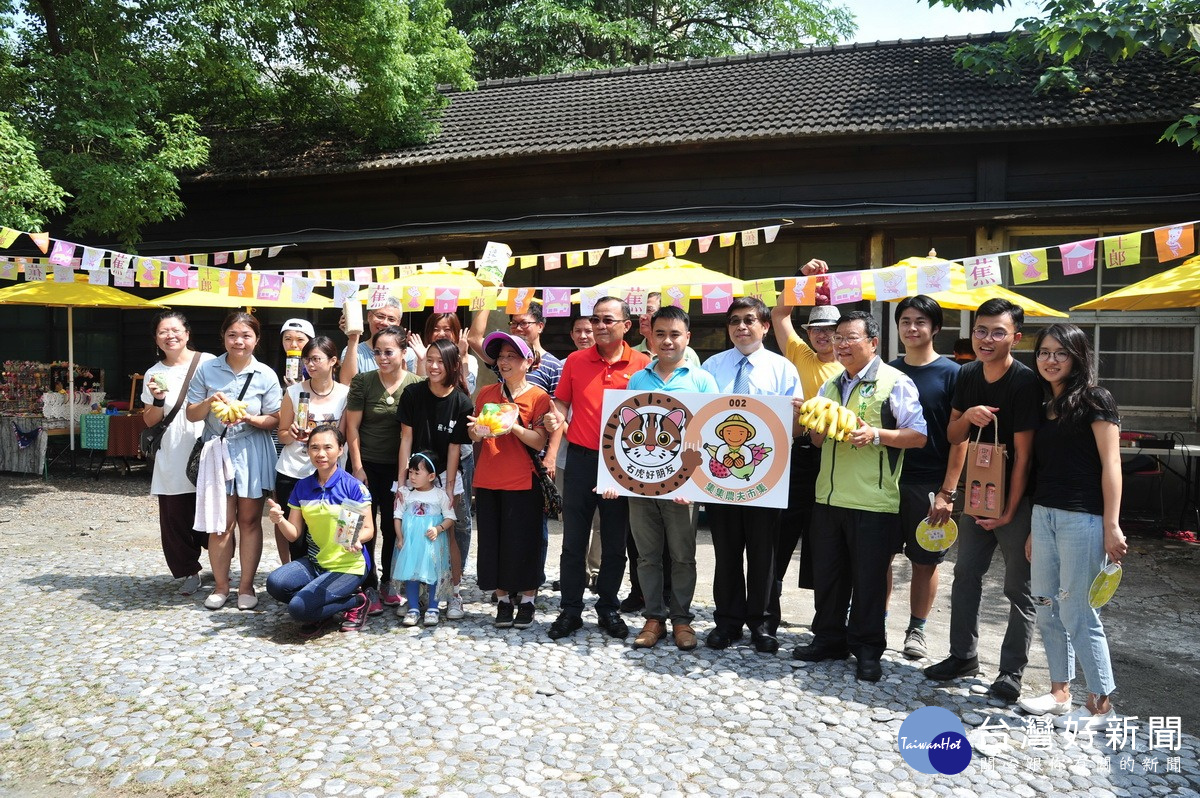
(115,685)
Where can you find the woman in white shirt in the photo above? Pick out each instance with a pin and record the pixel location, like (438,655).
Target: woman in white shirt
(162,390)
(326,405)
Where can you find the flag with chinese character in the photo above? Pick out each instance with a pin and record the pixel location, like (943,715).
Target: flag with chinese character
(676,296)
(845,287)
(594,256)
(556,302)
(445,300)
(270,286)
(982,271)
(1029,266)
(750,238)
(1123,251)
(208,279)
(377,294)
(715,297)
(256,252)
(1173,242)
(62,253)
(635,298)
(799,291)
(485,299)
(764,290)
(890,284)
(35,272)
(1078,256)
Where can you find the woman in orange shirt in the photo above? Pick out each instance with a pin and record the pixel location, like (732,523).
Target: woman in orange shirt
(508,502)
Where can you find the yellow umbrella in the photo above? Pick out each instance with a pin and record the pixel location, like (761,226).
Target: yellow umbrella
(1174,288)
(958,296)
(669,271)
(195,298)
(77,294)
(442,275)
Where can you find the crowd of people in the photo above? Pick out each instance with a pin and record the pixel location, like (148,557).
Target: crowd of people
(386,440)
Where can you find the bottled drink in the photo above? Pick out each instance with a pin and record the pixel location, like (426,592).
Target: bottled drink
(302,411)
(291,367)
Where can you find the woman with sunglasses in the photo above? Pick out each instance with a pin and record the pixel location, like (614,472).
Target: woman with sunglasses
(373,438)
(325,400)
(1076,509)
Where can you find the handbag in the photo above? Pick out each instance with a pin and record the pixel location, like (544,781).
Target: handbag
(150,438)
(986,489)
(193,463)
(552,503)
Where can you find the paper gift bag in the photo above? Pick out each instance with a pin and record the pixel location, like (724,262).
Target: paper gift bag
(985,475)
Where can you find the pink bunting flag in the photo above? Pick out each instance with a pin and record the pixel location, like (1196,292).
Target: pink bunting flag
(445,300)
(63,273)
(890,284)
(176,275)
(845,287)
(98,276)
(35,272)
(933,278)
(552,261)
(193,279)
(362,276)
(556,302)
(220,258)
(270,286)
(62,253)
(703,243)
(715,297)
(982,271)
(1078,256)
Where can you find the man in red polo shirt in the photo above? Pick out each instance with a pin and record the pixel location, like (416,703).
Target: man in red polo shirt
(586,375)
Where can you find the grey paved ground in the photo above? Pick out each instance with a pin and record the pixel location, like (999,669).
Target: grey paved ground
(111,684)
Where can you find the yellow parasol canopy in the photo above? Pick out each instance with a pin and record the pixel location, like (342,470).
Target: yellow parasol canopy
(1174,288)
(442,275)
(958,296)
(669,271)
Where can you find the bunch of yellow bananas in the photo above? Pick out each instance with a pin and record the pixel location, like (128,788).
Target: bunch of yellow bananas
(229,412)
(824,416)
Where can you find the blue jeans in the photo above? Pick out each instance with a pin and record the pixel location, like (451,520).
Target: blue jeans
(1068,552)
(311,593)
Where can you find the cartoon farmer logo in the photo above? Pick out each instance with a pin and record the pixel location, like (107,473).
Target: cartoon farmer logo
(735,456)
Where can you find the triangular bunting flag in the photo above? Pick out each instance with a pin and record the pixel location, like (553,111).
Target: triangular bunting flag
(703,243)
(769,233)
(682,246)
(41,240)
(8,236)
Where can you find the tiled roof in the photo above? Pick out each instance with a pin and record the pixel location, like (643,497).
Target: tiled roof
(858,89)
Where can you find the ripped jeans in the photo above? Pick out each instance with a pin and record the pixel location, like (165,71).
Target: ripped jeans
(1068,552)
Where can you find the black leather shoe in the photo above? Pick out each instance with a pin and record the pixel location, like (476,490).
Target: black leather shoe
(819,652)
(764,643)
(722,638)
(633,603)
(563,625)
(868,670)
(614,624)
(952,667)
(556,585)
(1007,687)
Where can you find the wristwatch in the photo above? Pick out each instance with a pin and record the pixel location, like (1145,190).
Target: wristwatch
(875,440)
(950,495)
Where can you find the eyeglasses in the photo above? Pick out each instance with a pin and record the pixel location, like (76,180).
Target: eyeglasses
(522,323)
(605,322)
(983,333)
(1057,355)
(738,321)
(316,359)
(851,340)
(388,353)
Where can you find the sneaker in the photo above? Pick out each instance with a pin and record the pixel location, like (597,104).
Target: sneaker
(1007,687)
(432,617)
(190,585)
(914,644)
(1081,719)
(355,618)
(411,618)
(454,608)
(504,614)
(524,618)
(389,596)
(374,605)
(1045,705)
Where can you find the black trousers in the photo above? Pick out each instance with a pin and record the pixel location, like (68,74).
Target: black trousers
(794,523)
(742,595)
(580,502)
(181,544)
(380,477)
(852,552)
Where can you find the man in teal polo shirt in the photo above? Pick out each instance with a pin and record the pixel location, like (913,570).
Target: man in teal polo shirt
(855,523)
(656,523)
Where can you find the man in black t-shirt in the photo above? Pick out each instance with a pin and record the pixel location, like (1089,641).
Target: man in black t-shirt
(995,388)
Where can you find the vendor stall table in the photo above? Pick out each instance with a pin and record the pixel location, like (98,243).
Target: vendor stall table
(117,435)
(25,443)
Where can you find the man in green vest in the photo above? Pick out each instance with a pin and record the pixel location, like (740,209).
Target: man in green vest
(855,525)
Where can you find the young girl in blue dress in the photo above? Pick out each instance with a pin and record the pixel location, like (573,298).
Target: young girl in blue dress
(424,518)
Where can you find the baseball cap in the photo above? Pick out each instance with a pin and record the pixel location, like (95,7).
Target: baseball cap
(823,316)
(492,344)
(300,325)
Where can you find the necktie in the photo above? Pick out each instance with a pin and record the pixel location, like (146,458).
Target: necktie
(741,383)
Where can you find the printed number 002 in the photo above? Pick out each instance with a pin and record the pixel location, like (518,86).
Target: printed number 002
(737,402)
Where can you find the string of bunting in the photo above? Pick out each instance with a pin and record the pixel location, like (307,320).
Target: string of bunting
(373,284)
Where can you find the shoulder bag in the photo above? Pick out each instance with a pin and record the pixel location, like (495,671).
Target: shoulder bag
(551,499)
(150,439)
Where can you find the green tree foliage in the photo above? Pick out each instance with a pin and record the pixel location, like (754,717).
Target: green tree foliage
(1065,43)
(28,193)
(512,38)
(113,97)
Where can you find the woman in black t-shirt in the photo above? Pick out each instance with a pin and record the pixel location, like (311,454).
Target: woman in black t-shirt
(1076,509)
(433,417)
